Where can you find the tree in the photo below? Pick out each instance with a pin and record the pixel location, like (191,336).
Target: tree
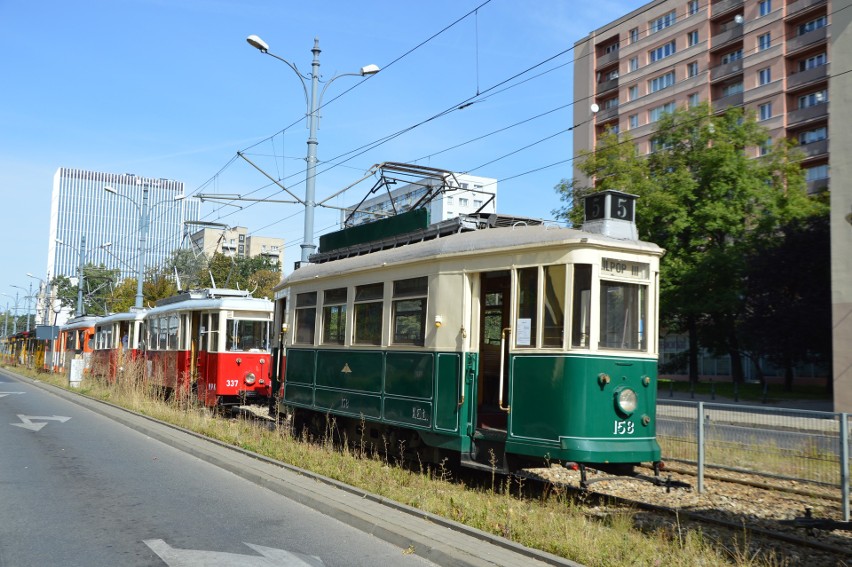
(239,272)
(190,267)
(788,319)
(98,283)
(708,203)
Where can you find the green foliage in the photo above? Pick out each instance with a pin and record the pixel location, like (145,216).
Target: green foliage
(98,283)
(709,204)
(190,267)
(258,275)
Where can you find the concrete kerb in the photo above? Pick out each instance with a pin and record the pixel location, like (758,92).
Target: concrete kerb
(432,537)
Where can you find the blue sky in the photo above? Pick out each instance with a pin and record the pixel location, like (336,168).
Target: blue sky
(170,88)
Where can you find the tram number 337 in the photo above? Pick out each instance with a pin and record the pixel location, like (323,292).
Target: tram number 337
(623,428)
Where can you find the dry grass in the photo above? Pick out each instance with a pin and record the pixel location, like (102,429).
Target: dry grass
(552,522)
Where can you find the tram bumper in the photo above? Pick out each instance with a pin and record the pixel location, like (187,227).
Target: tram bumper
(637,450)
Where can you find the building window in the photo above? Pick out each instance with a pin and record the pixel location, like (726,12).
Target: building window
(692,7)
(608,103)
(732,56)
(765,147)
(306,315)
(656,113)
(634,121)
(812,62)
(634,63)
(764,41)
(242,238)
(409,311)
(368,314)
(611,48)
(816,173)
(634,35)
(764,111)
(692,100)
(732,89)
(764,76)
(633,93)
(449,200)
(661,82)
(692,38)
(764,7)
(462,202)
(477,203)
(334,316)
(692,69)
(662,51)
(815,135)
(662,22)
(816,24)
(813,99)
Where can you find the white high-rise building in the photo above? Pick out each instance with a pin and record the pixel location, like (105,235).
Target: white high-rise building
(81,208)
(463,194)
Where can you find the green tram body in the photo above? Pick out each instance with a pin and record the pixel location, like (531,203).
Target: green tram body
(574,315)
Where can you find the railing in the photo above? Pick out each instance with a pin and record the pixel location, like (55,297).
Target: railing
(724,102)
(795,80)
(810,447)
(805,40)
(726,69)
(718,8)
(806,114)
(795,7)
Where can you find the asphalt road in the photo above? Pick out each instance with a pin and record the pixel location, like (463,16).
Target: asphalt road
(79,489)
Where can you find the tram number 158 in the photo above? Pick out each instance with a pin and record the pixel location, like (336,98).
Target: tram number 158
(623,428)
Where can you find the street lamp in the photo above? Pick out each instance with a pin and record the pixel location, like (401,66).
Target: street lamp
(80,263)
(46,285)
(28,298)
(15,318)
(143,232)
(313,103)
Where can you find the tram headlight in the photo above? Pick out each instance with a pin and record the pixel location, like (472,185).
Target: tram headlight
(250,378)
(625,401)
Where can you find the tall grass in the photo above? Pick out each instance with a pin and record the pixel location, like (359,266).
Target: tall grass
(551,522)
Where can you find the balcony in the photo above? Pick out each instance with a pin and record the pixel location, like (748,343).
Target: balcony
(802,78)
(815,149)
(723,7)
(608,85)
(606,114)
(808,114)
(720,104)
(726,70)
(723,38)
(606,59)
(796,8)
(806,40)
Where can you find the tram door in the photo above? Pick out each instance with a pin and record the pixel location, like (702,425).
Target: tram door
(194,360)
(495,302)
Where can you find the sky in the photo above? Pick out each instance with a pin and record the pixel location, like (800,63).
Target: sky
(171,89)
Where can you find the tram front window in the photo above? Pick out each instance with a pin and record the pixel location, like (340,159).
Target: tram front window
(623,315)
(247,335)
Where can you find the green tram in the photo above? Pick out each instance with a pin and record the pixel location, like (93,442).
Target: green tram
(498,347)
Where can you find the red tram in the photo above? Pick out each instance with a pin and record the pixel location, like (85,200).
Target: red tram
(213,341)
(117,340)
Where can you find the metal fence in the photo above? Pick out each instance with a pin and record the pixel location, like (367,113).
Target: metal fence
(810,447)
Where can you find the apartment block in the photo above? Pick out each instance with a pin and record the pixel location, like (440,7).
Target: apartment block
(768,56)
(237,242)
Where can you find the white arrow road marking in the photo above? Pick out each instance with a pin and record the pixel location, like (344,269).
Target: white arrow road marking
(272,557)
(4,394)
(28,421)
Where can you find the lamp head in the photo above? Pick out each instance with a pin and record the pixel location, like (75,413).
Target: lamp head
(179,197)
(257,43)
(109,189)
(369,70)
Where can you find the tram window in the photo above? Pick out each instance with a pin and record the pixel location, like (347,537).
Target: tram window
(554,305)
(247,335)
(163,335)
(368,314)
(153,333)
(409,311)
(492,318)
(213,333)
(334,316)
(306,316)
(172,332)
(525,330)
(623,308)
(581,317)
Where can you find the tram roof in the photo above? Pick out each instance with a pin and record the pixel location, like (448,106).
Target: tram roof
(202,303)
(80,322)
(468,243)
(132,315)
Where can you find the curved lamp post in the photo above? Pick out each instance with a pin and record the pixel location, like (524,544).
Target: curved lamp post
(143,232)
(313,103)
